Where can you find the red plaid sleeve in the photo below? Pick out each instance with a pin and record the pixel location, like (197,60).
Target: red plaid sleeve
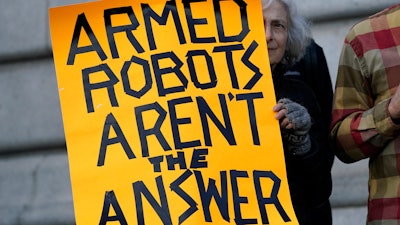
(361,125)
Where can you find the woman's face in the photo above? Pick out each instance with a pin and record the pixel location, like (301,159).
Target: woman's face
(276,24)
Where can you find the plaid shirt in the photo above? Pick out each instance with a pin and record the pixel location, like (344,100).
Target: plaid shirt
(368,75)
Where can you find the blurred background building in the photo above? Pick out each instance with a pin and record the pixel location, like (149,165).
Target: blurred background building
(34,175)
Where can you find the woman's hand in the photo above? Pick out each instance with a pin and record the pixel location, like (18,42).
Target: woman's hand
(295,124)
(292,115)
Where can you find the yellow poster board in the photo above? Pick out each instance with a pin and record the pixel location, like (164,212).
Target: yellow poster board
(167,111)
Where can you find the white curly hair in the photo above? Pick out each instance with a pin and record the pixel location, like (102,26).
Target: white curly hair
(299,33)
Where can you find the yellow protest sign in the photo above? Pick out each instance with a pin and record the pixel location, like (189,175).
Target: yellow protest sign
(167,111)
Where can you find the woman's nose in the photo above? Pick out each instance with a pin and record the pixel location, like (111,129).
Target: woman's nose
(268,33)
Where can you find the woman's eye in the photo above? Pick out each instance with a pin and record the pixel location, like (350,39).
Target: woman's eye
(279,25)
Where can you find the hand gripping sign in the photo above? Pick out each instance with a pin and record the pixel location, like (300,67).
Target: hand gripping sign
(167,110)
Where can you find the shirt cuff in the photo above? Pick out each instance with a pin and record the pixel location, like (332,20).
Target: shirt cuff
(383,121)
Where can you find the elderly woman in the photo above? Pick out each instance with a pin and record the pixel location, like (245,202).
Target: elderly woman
(304,133)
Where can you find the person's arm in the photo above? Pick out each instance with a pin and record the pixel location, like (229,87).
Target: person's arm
(360,127)
(315,72)
(323,85)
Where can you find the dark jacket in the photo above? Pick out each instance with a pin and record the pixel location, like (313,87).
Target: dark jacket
(309,176)
(314,71)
